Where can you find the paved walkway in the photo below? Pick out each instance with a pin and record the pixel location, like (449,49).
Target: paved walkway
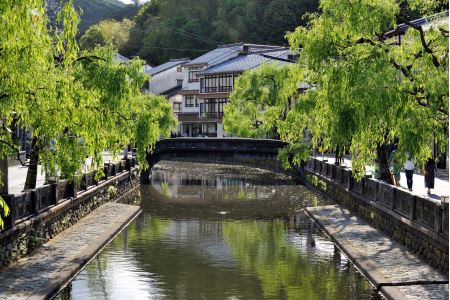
(441,184)
(43,272)
(383,261)
(17,174)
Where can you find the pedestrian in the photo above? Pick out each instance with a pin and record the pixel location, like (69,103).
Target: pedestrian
(429,173)
(409,172)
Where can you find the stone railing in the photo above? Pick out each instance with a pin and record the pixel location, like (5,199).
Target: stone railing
(421,224)
(33,202)
(426,212)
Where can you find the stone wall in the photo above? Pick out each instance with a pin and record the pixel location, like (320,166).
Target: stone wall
(418,223)
(29,233)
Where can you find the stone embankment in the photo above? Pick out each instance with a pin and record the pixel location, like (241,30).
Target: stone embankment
(395,272)
(418,223)
(38,215)
(43,273)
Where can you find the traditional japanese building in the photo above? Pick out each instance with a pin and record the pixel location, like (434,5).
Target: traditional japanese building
(209,80)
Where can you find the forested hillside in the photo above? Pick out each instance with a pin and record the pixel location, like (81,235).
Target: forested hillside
(165,29)
(93,11)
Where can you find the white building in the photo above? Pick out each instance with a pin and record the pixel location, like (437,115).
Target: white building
(209,80)
(167,79)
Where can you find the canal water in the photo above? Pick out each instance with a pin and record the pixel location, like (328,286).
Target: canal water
(212,231)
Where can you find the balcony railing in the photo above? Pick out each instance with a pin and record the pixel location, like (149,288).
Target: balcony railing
(216,89)
(211,115)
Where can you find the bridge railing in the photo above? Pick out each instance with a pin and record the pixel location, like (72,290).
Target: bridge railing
(218,144)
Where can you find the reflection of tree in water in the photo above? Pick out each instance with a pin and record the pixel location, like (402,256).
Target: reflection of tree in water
(145,227)
(286,272)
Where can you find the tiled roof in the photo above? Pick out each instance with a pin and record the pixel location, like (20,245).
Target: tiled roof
(426,21)
(172,92)
(165,66)
(213,56)
(249,61)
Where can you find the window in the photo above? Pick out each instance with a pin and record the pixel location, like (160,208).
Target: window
(193,74)
(177,107)
(226,83)
(179,82)
(196,102)
(210,108)
(217,83)
(220,104)
(189,101)
(179,69)
(210,129)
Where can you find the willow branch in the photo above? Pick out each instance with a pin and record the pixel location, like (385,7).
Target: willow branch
(425,46)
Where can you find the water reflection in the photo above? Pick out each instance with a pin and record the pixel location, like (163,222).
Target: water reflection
(194,182)
(181,247)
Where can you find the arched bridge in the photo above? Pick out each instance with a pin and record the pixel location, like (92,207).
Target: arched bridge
(261,153)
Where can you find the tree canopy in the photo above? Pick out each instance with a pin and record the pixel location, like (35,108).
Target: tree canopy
(107,32)
(166,29)
(77,103)
(260,101)
(367,90)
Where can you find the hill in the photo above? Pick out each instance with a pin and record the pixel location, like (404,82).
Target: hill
(93,11)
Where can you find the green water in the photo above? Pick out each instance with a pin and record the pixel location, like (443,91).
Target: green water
(219,232)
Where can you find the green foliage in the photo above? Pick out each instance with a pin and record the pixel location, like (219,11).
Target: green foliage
(260,101)
(156,34)
(263,249)
(92,38)
(77,103)
(93,11)
(112,191)
(262,106)
(368,90)
(107,32)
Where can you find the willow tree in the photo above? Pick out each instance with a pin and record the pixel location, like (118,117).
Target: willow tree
(368,89)
(260,101)
(77,103)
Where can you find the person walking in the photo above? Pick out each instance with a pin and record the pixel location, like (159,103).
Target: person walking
(409,172)
(429,173)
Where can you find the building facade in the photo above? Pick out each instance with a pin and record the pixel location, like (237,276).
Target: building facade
(167,80)
(209,79)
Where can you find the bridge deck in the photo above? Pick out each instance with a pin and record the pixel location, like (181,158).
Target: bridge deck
(43,273)
(387,264)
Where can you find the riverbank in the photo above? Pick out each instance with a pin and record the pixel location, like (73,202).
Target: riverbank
(44,272)
(390,266)
(420,224)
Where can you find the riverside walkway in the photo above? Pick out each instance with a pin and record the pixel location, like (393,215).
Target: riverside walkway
(42,273)
(17,174)
(396,272)
(441,184)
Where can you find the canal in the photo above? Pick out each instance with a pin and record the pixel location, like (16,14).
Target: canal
(220,232)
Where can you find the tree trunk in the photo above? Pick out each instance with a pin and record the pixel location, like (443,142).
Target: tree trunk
(4,175)
(30,182)
(336,158)
(382,158)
